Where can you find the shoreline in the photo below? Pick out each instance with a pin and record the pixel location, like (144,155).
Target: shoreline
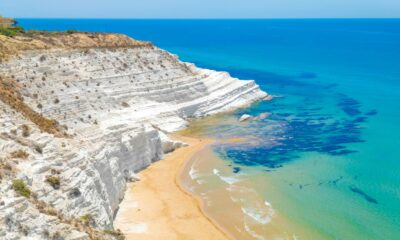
(159,207)
(200,202)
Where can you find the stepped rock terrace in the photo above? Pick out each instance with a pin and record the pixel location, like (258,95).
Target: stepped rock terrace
(109,100)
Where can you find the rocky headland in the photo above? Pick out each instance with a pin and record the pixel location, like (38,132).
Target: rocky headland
(80,114)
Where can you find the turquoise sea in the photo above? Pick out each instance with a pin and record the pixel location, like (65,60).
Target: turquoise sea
(327,159)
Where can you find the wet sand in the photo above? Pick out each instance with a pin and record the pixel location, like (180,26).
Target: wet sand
(158,207)
(234,200)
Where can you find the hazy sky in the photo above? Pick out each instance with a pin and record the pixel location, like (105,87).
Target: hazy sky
(200,8)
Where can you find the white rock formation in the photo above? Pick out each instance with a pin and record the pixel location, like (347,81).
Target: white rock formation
(115,102)
(245,117)
(248,118)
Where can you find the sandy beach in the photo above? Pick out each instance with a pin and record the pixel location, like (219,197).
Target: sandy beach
(157,207)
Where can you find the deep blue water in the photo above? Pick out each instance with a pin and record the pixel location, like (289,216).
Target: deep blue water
(332,142)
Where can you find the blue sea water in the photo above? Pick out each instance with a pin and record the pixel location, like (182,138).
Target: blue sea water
(331,146)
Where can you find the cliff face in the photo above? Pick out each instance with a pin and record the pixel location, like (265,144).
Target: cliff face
(110,98)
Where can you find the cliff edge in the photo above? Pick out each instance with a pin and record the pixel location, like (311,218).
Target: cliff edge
(80,113)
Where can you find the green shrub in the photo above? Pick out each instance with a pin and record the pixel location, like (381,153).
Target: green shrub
(7,32)
(86,219)
(18,29)
(20,187)
(54,181)
(11,31)
(71,31)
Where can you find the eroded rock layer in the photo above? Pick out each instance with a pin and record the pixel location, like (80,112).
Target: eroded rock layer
(113,105)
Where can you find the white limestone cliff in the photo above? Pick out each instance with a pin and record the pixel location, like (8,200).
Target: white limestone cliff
(116,104)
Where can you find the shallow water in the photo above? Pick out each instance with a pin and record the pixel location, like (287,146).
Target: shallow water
(326,161)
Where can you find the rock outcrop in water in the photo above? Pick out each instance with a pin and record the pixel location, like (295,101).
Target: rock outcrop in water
(80,114)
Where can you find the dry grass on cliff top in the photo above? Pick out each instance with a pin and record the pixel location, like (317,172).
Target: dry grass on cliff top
(10,95)
(37,40)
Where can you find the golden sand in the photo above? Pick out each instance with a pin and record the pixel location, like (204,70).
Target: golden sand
(157,207)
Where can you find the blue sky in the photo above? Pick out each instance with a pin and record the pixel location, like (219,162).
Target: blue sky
(201,8)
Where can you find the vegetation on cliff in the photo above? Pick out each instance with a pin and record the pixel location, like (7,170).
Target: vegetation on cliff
(11,31)
(15,40)
(20,187)
(8,27)
(9,94)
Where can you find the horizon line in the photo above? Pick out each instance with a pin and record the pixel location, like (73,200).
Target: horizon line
(289,18)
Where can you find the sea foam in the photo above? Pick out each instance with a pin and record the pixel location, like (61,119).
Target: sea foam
(252,232)
(228,179)
(260,215)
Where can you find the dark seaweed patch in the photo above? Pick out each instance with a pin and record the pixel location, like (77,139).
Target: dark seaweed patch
(330,86)
(336,180)
(308,75)
(362,193)
(308,119)
(349,105)
(236,169)
(359,120)
(351,111)
(304,133)
(371,113)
